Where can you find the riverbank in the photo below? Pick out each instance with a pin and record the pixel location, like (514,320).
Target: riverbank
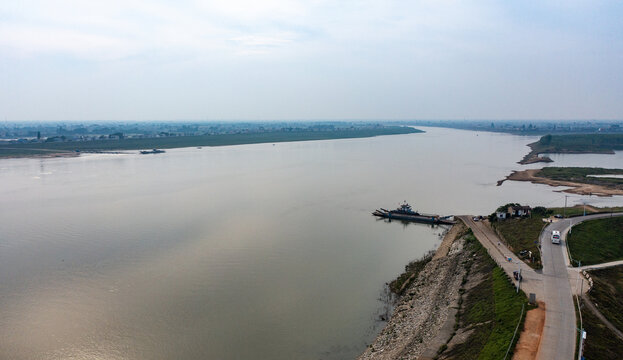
(461,305)
(532,175)
(426,304)
(46,149)
(572,144)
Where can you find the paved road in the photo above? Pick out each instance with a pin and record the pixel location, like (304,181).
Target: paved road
(602,265)
(559,333)
(532,281)
(552,286)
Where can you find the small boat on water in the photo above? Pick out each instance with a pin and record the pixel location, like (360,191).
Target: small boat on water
(406,213)
(152,151)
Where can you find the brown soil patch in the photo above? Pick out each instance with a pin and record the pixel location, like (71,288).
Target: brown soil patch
(576,188)
(592,208)
(530,338)
(448,239)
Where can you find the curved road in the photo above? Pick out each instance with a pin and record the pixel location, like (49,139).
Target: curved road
(560,332)
(552,286)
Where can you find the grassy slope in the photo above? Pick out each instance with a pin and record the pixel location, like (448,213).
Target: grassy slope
(578,210)
(521,234)
(597,241)
(600,342)
(204,140)
(608,293)
(508,306)
(491,310)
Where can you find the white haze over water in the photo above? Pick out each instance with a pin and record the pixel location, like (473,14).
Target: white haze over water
(276,59)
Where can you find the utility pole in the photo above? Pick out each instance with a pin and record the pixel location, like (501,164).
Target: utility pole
(518,275)
(582,332)
(582,338)
(564,212)
(578,279)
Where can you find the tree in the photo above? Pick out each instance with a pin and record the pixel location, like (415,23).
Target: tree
(503,208)
(117,134)
(546,140)
(541,210)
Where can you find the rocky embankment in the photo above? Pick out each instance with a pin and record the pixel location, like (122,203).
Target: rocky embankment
(533,158)
(423,318)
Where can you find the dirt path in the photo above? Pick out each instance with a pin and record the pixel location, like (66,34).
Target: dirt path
(576,188)
(589,304)
(448,239)
(530,338)
(532,281)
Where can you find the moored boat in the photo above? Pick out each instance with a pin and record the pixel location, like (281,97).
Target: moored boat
(406,213)
(152,151)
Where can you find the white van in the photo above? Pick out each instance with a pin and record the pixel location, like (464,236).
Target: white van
(555,237)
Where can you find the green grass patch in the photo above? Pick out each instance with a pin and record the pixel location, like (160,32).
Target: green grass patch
(579,143)
(578,210)
(607,293)
(29,149)
(581,175)
(597,241)
(508,305)
(491,310)
(522,234)
(576,143)
(600,342)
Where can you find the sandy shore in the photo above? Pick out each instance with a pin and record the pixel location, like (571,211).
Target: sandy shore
(46,155)
(575,188)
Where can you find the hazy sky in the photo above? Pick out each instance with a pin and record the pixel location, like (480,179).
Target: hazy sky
(275,59)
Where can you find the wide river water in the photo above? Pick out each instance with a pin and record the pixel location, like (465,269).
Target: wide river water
(238,252)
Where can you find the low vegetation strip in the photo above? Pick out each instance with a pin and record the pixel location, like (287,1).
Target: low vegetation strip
(607,293)
(30,149)
(597,241)
(508,311)
(601,343)
(398,285)
(582,175)
(580,210)
(522,235)
(584,186)
(423,310)
(575,143)
(489,311)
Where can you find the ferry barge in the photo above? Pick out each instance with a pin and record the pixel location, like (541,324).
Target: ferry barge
(405,212)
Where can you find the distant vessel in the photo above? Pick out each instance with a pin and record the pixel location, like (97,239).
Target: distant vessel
(152,151)
(405,212)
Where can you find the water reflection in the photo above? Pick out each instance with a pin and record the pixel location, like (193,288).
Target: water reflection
(254,251)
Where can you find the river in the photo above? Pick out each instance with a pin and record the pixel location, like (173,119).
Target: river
(264,251)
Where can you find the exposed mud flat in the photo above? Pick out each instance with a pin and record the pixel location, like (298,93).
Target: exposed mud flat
(575,188)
